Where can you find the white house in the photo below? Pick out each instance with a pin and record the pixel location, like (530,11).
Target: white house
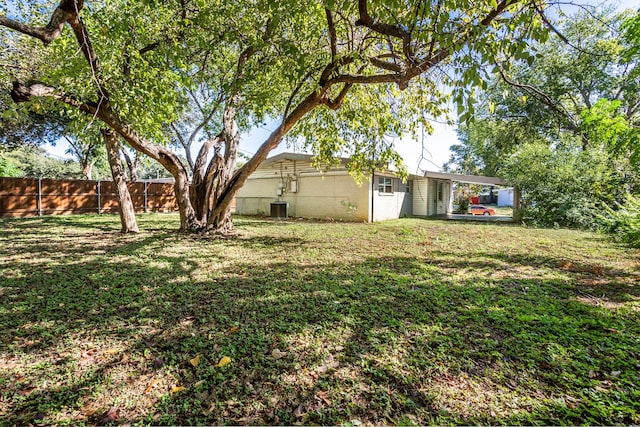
(288,182)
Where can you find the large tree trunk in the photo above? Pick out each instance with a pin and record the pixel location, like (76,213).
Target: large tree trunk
(104,112)
(218,176)
(219,219)
(127,212)
(221,170)
(199,191)
(170,161)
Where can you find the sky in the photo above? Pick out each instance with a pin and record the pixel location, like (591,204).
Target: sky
(428,154)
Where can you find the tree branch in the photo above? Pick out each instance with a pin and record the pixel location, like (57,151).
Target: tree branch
(65,10)
(24,93)
(402,76)
(381,28)
(337,103)
(549,102)
(332,33)
(385,29)
(389,66)
(558,33)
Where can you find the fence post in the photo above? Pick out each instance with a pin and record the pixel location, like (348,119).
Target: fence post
(146,206)
(39,196)
(98,188)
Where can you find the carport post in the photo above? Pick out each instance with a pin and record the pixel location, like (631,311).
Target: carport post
(450,207)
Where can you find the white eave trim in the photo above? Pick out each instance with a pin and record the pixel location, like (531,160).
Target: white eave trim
(467,179)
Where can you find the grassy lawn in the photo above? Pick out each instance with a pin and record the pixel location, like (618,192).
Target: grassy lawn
(403,322)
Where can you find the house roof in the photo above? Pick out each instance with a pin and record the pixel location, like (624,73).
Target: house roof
(467,179)
(292,156)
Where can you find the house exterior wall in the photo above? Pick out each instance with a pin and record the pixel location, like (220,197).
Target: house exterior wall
(307,192)
(426,199)
(420,196)
(396,204)
(290,178)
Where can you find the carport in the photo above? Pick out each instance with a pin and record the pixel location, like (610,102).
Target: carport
(471,179)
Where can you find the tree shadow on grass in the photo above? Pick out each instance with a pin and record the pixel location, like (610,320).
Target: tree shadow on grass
(582,279)
(386,340)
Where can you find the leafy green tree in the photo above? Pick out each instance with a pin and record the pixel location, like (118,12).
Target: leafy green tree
(150,169)
(622,221)
(580,85)
(486,144)
(566,186)
(323,67)
(572,73)
(8,167)
(89,151)
(35,162)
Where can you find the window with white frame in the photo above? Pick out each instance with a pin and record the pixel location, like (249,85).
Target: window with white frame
(385,184)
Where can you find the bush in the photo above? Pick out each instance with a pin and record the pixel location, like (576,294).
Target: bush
(462,204)
(561,186)
(623,223)
(8,168)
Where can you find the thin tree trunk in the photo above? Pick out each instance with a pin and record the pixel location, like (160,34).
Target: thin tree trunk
(132,164)
(87,170)
(127,212)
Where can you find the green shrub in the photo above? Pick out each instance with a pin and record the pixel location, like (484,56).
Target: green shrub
(561,186)
(623,223)
(8,168)
(462,205)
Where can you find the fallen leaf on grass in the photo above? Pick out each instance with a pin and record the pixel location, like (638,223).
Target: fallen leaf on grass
(177,389)
(565,265)
(111,416)
(26,391)
(234,330)
(277,354)
(223,362)
(299,412)
(194,362)
(323,396)
(151,385)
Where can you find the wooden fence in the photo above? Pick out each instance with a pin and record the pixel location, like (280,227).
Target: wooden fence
(36,197)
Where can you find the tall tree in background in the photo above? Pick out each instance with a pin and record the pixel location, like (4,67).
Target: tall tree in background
(580,73)
(25,59)
(486,143)
(564,126)
(346,73)
(582,83)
